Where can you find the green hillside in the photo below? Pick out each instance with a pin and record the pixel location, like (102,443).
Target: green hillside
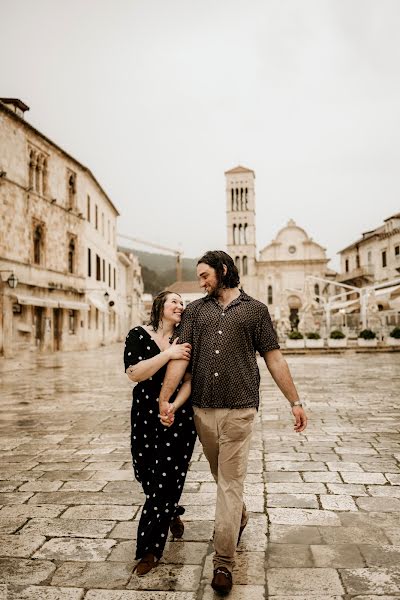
(159,270)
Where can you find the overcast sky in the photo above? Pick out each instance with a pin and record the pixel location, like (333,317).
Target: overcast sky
(159,97)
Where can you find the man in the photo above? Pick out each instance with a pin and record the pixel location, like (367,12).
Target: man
(225,330)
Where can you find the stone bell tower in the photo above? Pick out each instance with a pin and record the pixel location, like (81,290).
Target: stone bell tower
(241,221)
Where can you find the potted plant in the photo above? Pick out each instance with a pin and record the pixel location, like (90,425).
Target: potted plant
(394,337)
(337,339)
(367,338)
(313,340)
(295,340)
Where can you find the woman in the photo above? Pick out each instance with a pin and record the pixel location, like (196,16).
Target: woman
(160,454)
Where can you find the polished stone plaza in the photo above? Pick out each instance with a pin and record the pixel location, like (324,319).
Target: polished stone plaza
(325,504)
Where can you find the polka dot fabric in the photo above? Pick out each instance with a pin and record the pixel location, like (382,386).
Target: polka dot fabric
(224,345)
(160,455)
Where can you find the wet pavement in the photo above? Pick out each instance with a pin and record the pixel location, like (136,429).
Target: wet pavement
(325,505)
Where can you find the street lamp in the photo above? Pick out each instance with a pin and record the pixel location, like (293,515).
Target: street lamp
(12,279)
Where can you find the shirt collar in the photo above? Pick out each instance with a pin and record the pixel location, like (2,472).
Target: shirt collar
(242,298)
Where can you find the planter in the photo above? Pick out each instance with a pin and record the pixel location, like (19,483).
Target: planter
(337,343)
(391,341)
(315,343)
(294,343)
(367,343)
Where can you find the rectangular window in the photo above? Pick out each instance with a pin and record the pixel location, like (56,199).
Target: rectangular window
(369,257)
(72,322)
(88,209)
(397,250)
(104,270)
(98,268)
(347,265)
(115,279)
(89,262)
(109,275)
(97,318)
(384,262)
(96,217)
(358,261)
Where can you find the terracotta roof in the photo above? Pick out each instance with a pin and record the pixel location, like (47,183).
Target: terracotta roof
(185,287)
(239,169)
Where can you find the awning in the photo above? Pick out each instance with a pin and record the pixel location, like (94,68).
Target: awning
(73,305)
(35,301)
(98,303)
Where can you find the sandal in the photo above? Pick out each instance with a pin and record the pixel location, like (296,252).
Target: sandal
(146,564)
(177,527)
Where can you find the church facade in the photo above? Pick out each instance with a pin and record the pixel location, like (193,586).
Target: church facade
(279,275)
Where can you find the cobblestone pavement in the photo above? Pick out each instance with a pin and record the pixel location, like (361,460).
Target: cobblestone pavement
(325,505)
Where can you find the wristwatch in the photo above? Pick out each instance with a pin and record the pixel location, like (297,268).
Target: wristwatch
(297,403)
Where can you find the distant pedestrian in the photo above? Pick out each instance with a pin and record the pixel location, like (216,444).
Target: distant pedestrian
(160,455)
(225,330)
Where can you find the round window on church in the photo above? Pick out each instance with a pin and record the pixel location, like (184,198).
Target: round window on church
(292,249)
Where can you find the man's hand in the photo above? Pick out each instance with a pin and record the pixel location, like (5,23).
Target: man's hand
(167,414)
(300,417)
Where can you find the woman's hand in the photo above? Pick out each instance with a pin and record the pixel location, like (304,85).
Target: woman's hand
(179,351)
(167,416)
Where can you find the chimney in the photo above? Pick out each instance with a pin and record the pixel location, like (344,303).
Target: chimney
(15,105)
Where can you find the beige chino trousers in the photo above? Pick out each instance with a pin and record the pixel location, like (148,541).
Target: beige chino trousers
(225,435)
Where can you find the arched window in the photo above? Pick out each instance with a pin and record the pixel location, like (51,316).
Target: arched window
(38,244)
(237,263)
(71,190)
(237,199)
(270,295)
(245,233)
(71,256)
(37,177)
(246,199)
(240,234)
(32,169)
(44,177)
(245,268)
(232,199)
(241,198)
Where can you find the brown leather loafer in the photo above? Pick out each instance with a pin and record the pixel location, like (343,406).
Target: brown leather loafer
(146,564)
(177,527)
(222,581)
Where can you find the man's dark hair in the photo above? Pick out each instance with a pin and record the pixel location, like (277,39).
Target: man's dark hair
(217,259)
(157,310)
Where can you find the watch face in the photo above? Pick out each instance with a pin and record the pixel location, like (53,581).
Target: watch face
(292,249)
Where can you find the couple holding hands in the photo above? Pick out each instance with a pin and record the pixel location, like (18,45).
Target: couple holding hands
(196,373)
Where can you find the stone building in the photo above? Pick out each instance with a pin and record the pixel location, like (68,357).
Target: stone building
(373,258)
(278,274)
(130,294)
(372,263)
(58,239)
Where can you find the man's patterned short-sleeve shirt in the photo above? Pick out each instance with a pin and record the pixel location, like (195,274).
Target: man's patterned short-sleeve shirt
(224,345)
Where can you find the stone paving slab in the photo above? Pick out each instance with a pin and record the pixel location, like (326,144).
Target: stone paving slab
(40,592)
(93,574)
(69,527)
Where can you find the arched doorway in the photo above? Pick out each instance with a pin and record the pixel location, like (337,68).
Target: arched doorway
(294,304)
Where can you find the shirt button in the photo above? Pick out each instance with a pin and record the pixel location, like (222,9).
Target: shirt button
(220,332)
(217,352)
(222,314)
(216,374)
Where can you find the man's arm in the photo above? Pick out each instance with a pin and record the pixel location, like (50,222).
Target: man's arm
(279,370)
(174,374)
